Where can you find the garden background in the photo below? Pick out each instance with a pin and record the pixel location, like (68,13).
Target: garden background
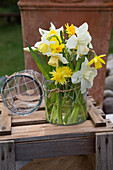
(11,45)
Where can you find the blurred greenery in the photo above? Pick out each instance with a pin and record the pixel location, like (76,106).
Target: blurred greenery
(11,48)
(9,6)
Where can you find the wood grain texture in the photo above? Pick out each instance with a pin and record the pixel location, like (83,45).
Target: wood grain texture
(95,113)
(7,155)
(37,117)
(61,163)
(43,131)
(53,148)
(104,151)
(5,120)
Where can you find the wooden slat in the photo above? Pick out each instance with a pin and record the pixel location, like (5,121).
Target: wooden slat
(5,120)
(52,148)
(104,151)
(61,163)
(45,131)
(7,155)
(37,117)
(96,114)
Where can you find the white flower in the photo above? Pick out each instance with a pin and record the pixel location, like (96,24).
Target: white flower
(43,45)
(80,41)
(42,32)
(85,76)
(43,40)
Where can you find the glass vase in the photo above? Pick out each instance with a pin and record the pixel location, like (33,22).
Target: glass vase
(64,104)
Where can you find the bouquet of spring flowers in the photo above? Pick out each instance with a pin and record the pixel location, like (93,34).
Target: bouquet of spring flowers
(63,57)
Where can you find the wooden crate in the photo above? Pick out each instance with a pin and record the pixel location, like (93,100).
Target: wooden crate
(30,137)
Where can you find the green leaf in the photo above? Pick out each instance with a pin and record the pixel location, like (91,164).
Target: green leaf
(61,35)
(40,63)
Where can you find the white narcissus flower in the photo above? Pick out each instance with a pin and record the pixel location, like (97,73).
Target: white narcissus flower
(54,59)
(42,32)
(81,41)
(86,76)
(43,45)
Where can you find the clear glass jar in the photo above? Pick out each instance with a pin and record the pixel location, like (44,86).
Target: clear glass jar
(64,104)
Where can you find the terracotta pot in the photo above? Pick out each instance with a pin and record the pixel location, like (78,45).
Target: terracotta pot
(97,13)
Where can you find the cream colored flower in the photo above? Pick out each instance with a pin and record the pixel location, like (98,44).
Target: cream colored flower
(42,32)
(55,58)
(81,41)
(85,76)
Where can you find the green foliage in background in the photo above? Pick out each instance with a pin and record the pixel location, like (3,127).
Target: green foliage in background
(9,6)
(11,48)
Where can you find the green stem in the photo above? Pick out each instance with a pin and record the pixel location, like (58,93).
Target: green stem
(59,106)
(46,111)
(69,59)
(74,115)
(80,102)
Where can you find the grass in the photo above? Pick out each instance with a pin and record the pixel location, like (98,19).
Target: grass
(11,48)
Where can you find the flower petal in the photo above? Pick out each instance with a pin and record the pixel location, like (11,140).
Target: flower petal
(71,42)
(63,60)
(84,85)
(76,77)
(91,62)
(98,64)
(102,61)
(82,29)
(103,55)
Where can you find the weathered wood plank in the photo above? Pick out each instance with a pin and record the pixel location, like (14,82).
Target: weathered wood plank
(61,163)
(5,120)
(37,117)
(45,130)
(7,155)
(104,151)
(96,114)
(57,147)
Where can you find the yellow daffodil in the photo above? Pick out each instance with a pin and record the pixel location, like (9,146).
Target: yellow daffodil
(43,48)
(53,61)
(55,42)
(55,58)
(97,60)
(70,29)
(67,72)
(60,75)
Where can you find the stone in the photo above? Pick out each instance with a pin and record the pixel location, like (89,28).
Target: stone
(108,105)
(109,65)
(107,72)
(109,83)
(108,93)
